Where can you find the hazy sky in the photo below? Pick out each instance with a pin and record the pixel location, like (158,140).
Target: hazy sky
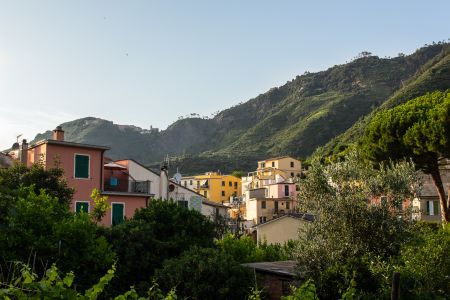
(148,62)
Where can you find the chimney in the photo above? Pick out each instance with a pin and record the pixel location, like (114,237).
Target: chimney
(23,154)
(58,134)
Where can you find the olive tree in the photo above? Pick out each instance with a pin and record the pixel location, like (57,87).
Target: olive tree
(346,223)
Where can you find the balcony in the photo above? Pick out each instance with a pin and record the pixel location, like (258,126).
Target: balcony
(126,186)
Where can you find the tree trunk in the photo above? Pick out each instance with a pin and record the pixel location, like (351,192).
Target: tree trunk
(441,192)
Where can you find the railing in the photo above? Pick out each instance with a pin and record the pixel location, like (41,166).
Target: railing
(127,186)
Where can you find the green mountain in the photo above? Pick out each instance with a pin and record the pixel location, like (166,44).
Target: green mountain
(312,110)
(434,75)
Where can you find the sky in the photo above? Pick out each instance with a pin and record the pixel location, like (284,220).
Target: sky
(146,63)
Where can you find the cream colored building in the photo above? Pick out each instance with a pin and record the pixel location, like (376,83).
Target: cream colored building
(282,229)
(271,190)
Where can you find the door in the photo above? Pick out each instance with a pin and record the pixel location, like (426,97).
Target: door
(117,213)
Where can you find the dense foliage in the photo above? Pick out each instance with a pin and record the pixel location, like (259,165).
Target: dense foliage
(36,178)
(418,129)
(353,247)
(162,230)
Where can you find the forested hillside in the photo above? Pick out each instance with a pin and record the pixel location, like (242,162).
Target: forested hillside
(294,119)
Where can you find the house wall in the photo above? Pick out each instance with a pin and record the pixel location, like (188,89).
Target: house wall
(141,173)
(420,211)
(132,203)
(257,214)
(215,188)
(210,210)
(283,164)
(275,286)
(279,231)
(277,190)
(37,154)
(64,156)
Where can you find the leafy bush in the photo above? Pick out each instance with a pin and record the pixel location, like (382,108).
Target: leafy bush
(160,231)
(426,265)
(201,273)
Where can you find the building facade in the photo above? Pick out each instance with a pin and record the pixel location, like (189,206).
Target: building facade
(269,192)
(214,186)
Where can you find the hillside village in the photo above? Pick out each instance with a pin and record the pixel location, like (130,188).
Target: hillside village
(332,186)
(266,195)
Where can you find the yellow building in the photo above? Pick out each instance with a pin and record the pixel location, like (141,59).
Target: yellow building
(286,165)
(214,186)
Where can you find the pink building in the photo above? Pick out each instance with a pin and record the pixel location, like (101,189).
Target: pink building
(84,170)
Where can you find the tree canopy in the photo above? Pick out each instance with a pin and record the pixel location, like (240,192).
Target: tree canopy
(418,129)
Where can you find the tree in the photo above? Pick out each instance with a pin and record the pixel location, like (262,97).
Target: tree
(205,273)
(41,231)
(345,224)
(418,129)
(160,231)
(36,177)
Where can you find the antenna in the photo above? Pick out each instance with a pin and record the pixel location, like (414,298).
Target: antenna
(18,137)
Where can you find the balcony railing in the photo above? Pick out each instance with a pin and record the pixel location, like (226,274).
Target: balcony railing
(127,186)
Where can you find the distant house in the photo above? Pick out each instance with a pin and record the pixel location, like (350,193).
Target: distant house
(271,190)
(276,278)
(426,206)
(6,161)
(214,186)
(282,229)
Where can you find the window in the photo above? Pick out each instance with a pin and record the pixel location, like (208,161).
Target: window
(276,206)
(81,166)
(190,182)
(288,204)
(185,184)
(263,204)
(432,208)
(81,206)
(292,164)
(235,185)
(230,183)
(264,219)
(292,174)
(263,165)
(273,164)
(286,190)
(260,219)
(117,214)
(223,183)
(184,204)
(205,193)
(223,193)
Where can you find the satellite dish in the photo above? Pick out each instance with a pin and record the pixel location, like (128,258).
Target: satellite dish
(177,177)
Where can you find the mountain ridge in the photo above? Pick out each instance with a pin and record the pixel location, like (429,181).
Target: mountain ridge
(294,119)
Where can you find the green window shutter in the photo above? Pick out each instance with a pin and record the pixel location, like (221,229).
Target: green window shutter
(81,166)
(436,207)
(81,207)
(428,208)
(117,213)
